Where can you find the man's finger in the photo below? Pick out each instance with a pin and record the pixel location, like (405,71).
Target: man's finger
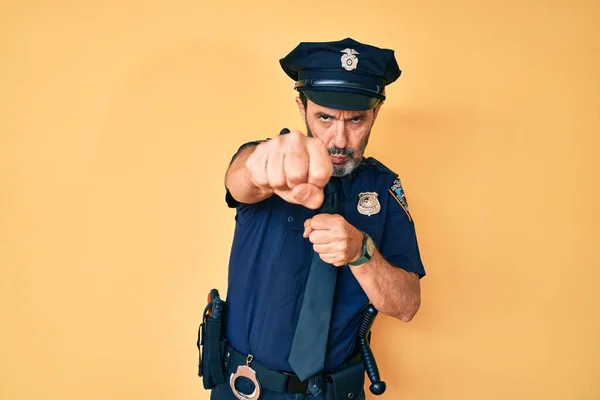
(307,223)
(324,221)
(307,232)
(308,195)
(328,257)
(326,248)
(256,167)
(307,229)
(304,194)
(320,237)
(320,166)
(275,172)
(295,163)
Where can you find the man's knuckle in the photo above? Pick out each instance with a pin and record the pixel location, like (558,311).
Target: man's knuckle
(292,139)
(277,181)
(270,145)
(257,176)
(297,135)
(321,172)
(251,162)
(261,181)
(294,174)
(316,143)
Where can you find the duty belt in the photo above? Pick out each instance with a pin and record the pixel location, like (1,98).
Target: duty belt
(269,379)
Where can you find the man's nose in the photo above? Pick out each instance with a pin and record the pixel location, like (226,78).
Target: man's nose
(340,138)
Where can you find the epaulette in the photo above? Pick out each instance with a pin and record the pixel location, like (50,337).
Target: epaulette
(374,163)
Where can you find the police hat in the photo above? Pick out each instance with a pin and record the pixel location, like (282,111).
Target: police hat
(345,75)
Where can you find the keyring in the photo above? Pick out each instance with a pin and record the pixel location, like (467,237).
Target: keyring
(246,372)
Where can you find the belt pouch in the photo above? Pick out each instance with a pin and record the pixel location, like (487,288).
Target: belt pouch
(345,384)
(213,350)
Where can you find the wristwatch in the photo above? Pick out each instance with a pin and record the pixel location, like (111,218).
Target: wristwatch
(368,248)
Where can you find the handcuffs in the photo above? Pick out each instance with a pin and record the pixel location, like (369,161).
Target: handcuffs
(245,371)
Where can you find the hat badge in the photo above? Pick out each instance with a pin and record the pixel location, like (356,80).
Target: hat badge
(368,203)
(349,59)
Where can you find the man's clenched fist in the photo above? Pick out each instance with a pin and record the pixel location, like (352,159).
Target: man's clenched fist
(335,240)
(295,167)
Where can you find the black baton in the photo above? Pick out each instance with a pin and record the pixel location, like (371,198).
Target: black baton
(377,385)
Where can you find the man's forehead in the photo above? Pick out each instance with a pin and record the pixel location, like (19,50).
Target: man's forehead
(314,108)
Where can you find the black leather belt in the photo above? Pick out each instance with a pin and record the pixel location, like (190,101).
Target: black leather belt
(269,379)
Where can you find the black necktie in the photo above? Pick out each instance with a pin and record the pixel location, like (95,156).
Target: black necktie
(307,354)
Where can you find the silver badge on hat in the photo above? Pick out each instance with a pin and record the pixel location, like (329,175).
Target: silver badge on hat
(349,59)
(368,203)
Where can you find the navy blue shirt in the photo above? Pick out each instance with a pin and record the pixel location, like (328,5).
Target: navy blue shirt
(270,260)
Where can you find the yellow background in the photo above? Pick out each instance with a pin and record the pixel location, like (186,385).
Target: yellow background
(118,119)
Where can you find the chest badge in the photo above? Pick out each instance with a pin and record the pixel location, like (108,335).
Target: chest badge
(368,203)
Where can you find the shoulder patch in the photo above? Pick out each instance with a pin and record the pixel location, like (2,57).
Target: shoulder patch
(397,191)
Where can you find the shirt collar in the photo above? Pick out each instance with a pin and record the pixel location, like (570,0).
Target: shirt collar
(348,180)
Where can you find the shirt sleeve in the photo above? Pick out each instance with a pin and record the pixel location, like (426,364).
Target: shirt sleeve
(231,202)
(399,245)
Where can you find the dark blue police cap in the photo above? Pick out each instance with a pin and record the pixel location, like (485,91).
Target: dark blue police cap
(346,74)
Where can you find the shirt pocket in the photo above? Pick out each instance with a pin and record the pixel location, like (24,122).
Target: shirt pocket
(372,224)
(293,262)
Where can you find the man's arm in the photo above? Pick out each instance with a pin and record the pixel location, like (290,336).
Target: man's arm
(392,290)
(292,166)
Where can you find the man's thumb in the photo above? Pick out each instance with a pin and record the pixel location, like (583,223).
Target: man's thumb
(308,195)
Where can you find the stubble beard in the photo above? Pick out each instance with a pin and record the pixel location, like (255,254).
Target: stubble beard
(354,156)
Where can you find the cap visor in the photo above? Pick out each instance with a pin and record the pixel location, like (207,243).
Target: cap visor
(342,100)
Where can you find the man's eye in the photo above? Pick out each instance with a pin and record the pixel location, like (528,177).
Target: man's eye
(324,117)
(356,119)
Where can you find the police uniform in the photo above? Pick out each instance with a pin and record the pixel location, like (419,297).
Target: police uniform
(270,260)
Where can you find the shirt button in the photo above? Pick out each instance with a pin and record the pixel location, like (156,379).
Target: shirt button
(290,219)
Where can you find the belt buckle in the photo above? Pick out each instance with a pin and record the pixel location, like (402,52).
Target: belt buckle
(247,372)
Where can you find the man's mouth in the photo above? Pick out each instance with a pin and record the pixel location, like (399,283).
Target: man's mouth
(339,159)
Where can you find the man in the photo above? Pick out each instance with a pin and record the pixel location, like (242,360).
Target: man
(287,243)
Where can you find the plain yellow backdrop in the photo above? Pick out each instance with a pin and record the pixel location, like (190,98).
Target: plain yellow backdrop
(118,119)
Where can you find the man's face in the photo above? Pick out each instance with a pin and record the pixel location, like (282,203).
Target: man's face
(345,133)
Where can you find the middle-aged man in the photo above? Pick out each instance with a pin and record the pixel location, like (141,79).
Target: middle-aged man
(321,231)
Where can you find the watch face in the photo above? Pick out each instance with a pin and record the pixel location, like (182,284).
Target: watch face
(370,246)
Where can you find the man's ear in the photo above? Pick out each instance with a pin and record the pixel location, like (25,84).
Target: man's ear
(301,108)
